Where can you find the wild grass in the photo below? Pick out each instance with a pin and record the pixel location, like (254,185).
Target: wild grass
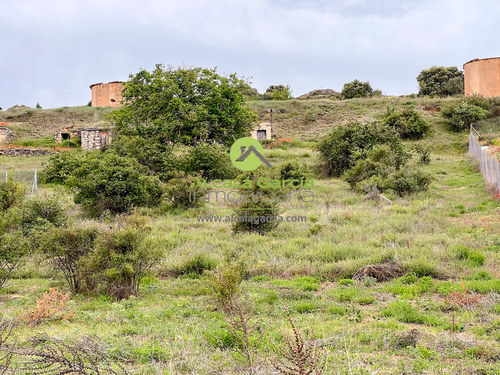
(444,238)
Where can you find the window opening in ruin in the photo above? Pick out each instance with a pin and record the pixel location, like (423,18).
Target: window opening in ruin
(261,134)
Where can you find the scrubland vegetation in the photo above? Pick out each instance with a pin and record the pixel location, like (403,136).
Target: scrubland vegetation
(110,254)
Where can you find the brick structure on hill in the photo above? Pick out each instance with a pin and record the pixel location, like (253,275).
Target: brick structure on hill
(107,94)
(482,77)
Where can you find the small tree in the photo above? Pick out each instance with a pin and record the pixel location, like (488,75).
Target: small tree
(356,89)
(440,81)
(66,247)
(38,105)
(185,106)
(122,257)
(278,92)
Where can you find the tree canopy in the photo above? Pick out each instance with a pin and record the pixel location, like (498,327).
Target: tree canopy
(356,89)
(278,92)
(441,81)
(188,106)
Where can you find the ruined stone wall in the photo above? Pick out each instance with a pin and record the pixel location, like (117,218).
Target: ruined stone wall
(107,94)
(4,133)
(94,139)
(482,77)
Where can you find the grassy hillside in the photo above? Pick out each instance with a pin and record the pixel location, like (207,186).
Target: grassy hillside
(447,241)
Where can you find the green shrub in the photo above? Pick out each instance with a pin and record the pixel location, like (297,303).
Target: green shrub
(11,194)
(60,166)
(122,257)
(460,116)
(66,247)
(405,312)
(115,184)
(345,145)
(410,180)
(227,277)
(256,217)
(182,191)
(13,246)
(408,279)
(211,161)
(346,282)
(379,170)
(422,268)
(304,307)
(41,214)
(366,300)
(197,264)
(292,171)
(156,156)
(278,92)
(356,89)
(477,258)
(409,123)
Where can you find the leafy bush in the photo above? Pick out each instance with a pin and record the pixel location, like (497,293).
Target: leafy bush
(460,116)
(211,160)
(292,171)
(345,145)
(13,245)
(60,166)
(197,264)
(409,123)
(278,92)
(409,180)
(356,89)
(11,194)
(379,171)
(227,277)
(440,81)
(156,156)
(41,214)
(122,257)
(256,217)
(182,191)
(66,247)
(113,183)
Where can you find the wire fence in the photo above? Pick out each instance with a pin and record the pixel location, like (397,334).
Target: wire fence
(29,178)
(489,166)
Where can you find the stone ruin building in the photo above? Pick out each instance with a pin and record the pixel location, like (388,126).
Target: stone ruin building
(4,133)
(262,131)
(482,77)
(91,138)
(107,94)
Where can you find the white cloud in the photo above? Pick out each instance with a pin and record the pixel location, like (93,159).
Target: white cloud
(54,49)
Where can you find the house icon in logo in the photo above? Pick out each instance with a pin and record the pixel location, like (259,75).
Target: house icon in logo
(246,154)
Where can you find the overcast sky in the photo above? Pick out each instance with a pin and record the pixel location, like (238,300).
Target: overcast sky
(51,51)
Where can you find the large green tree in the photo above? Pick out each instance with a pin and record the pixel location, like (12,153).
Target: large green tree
(188,106)
(441,81)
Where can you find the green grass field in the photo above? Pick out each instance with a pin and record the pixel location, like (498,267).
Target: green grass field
(447,240)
